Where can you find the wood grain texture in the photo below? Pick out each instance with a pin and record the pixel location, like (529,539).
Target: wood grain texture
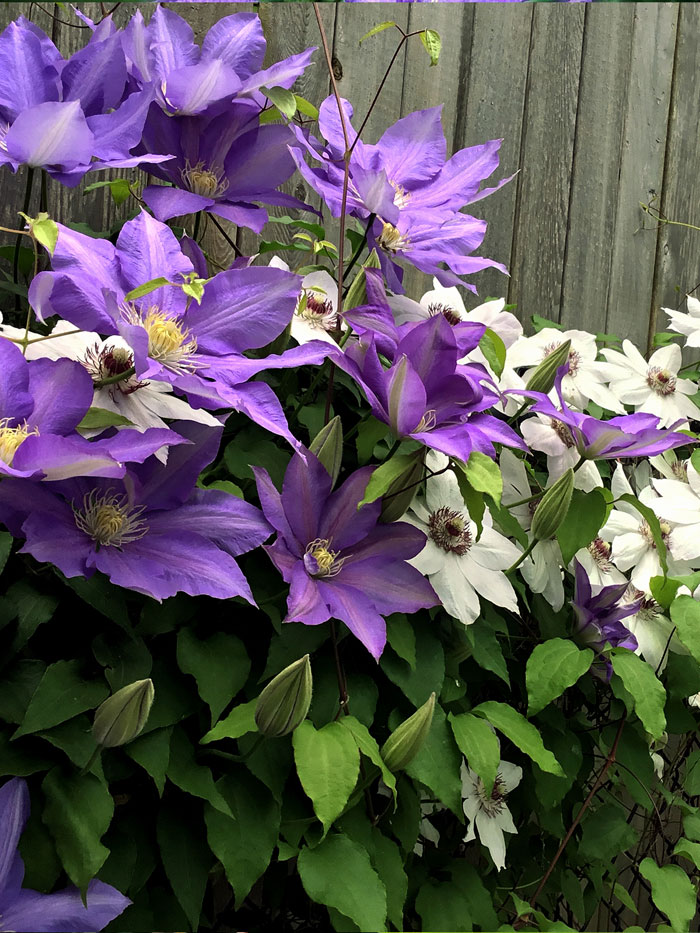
(597,106)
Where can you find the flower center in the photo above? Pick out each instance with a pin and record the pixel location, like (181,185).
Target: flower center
(574,358)
(450,531)
(391,240)
(680,470)
(645,532)
(109,519)
(494,803)
(11,438)
(661,381)
(317,311)
(563,433)
(112,361)
(320,561)
(427,422)
(451,316)
(401,196)
(201,180)
(169,343)
(600,552)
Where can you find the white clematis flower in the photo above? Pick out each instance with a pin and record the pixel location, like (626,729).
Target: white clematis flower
(460,568)
(653,387)
(488,815)
(652,629)
(316,313)
(686,324)
(679,503)
(554,438)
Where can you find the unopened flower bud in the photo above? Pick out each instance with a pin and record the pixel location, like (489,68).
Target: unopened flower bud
(401,492)
(328,447)
(285,701)
(357,293)
(406,740)
(544,376)
(553,506)
(123,715)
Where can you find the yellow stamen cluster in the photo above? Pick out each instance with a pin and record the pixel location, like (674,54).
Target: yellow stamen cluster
(203,181)
(391,240)
(324,562)
(109,519)
(11,438)
(169,343)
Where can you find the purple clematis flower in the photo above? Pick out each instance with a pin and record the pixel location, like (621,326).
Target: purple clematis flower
(68,117)
(637,435)
(198,349)
(24,910)
(427,396)
(152,532)
(41,404)
(414,191)
(339,563)
(599,617)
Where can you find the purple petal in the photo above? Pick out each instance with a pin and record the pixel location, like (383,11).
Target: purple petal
(331,126)
(14,812)
(238,41)
(304,492)
(64,912)
(272,507)
(53,537)
(15,398)
(352,607)
(304,603)
(414,148)
(405,398)
(399,540)
(117,133)
(192,89)
(395,587)
(342,524)
(62,391)
(51,134)
(258,401)
(280,74)
(27,76)
(95,76)
(172,42)
(58,458)
(136,43)
(172,202)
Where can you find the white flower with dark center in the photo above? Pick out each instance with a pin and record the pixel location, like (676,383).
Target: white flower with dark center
(669,466)
(686,324)
(488,814)
(555,439)
(460,567)
(316,315)
(542,569)
(652,629)
(586,377)
(654,386)
(678,503)
(633,545)
(596,561)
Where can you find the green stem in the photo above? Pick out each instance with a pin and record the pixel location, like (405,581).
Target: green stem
(526,553)
(393,450)
(44,195)
(358,252)
(197,221)
(225,235)
(18,241)
(120,377)
(239,758)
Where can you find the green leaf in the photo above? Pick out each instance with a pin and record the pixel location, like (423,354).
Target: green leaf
(689,850)
(493,347)
(339,874)
(606,833)
(186,856)
(377,29)
(78,812)
(479,745)
(103,597)
(118,187)
(443,906)
(484,475)
(5,548)
(98,418)
(553,667)
(146,288)
(427,676)
(432,43)
(384,475)
(243,844)
(369,434)
(520,732)
(152,752)
(437,764)
(691,781)
(31,609)
(60,695)
(624,898)
(220,664)
(646,689)
(584,519)
(654,526)
(685,615)
(367,744)
(402,638)
(327,762)
(283,99)
(671,891)
(239,721)
(487,650)
(306,107)
(44,230)
(186,772)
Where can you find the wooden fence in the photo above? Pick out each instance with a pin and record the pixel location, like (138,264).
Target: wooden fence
(598,108)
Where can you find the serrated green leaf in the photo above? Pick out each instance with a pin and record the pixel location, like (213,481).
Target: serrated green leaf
(432,43)
(60,695)
(339,874)
(283,99)
(520,732)
(584,519)
(328,763)
(671,891)
(685,615)
(375,30)
(239,721)
(552,668)
(77,812)
(645,688)
(220,665)
(479,745)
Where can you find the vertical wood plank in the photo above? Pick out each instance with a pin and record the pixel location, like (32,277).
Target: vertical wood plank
(678,251)
(641,168)
(539,236)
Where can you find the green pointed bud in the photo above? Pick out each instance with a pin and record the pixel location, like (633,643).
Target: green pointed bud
(357,293)
(285,701)
(328,447)
(123,715)
(553,506)
(542,379)
(402,490)
(407,739)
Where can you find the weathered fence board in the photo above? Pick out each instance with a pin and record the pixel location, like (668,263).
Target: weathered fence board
(597,106)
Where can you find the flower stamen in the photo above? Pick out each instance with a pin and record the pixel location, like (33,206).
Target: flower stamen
(320,560)
(450,531)
(109,519)
(661,381)
(204,181)
(11,437)
(392,240)
(169,343)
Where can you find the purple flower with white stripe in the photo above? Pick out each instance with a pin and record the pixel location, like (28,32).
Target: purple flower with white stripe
(152,532)
(339,563)
(24,910)
(415,192)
